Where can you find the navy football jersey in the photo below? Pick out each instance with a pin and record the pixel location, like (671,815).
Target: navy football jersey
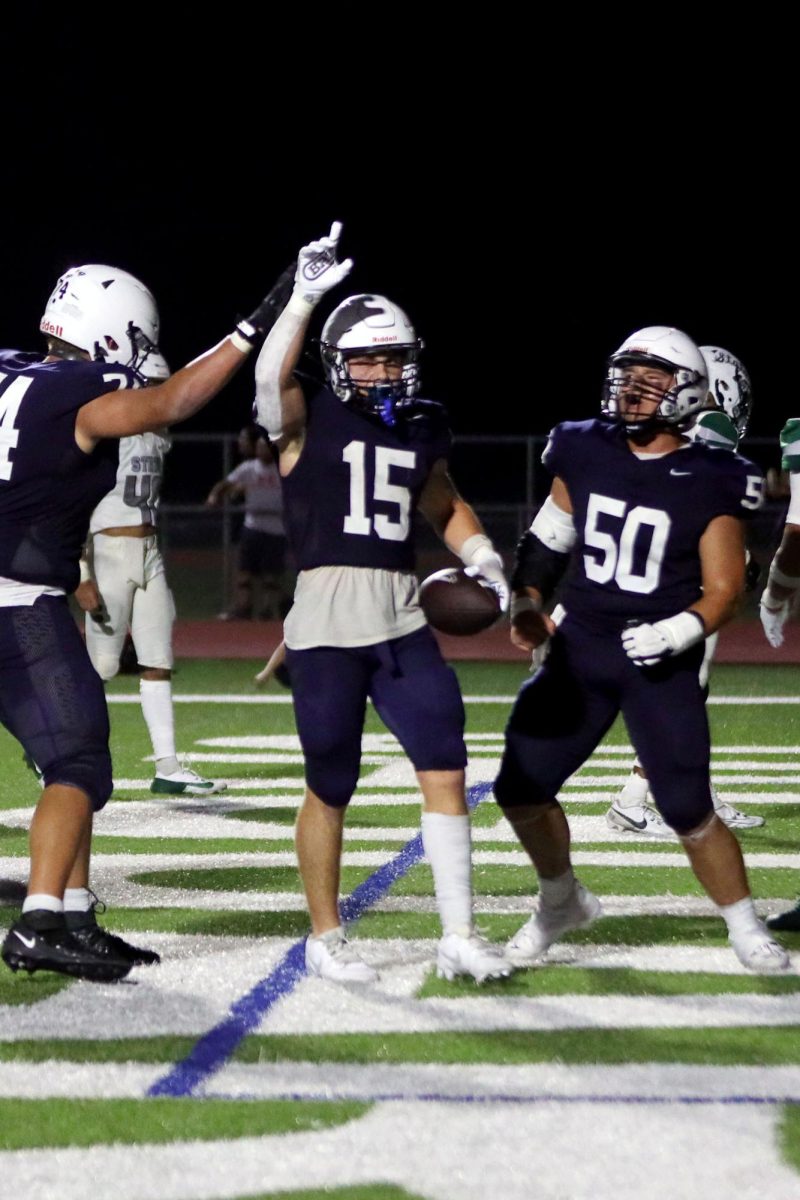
(351,497)
(48,486)
(640,521)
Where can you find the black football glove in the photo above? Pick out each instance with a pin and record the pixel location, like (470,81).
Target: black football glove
(752,574)
(256,327)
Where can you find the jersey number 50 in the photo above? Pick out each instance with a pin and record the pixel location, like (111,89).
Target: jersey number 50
(617,551)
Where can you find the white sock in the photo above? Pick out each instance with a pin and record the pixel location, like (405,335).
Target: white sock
(157,710)
(42,900)
(555,892)
(78,900)
(634,793)
(447,843)
(740,917)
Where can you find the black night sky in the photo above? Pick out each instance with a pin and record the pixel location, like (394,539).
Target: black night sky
(530,199)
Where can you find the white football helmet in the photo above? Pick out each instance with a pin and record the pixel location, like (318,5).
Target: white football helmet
(729,385)
(669,349)
(367,324)
(104,311)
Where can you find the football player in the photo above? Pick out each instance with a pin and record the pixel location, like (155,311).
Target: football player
(62,415)
(779,596)
(722,425)
(124,585)
(652,525)
(359,457)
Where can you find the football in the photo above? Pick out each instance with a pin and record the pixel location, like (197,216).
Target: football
(454,602)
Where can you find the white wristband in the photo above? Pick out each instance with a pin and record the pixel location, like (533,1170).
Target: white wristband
(683,630)
(300,305)
(241,343)
(86,573)
(788,581)
(475,548)
(521,604)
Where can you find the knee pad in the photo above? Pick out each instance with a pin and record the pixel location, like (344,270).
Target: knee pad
(89,770)
(512,788)
(333,782)
(693,836)
(106,666)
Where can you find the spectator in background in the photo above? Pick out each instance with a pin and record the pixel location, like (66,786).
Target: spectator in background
(262,542)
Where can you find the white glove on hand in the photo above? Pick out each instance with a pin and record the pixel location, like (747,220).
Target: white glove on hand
(489,569)
(773,619)
(650,644)
(317,268)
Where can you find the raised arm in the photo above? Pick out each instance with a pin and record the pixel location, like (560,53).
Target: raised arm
(122,413)
(280,404)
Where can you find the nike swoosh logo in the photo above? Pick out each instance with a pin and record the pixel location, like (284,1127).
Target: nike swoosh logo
(30,944)
(634,824)
(674,472)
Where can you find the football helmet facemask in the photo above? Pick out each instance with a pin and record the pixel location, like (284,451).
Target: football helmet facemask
(729,385)
(156,369)
(105,312)
(666,349)
(363,325)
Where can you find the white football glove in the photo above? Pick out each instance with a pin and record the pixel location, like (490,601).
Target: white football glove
(649,644)
(317,268)
(490,571)
(773,620)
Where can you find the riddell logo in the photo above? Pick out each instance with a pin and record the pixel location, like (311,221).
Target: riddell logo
(385,339)
(49,327)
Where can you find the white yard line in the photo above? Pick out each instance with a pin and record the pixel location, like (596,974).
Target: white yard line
(467,1081)
(443,1151)
(200,977)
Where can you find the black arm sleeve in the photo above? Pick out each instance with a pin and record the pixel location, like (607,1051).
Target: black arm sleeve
(537,566)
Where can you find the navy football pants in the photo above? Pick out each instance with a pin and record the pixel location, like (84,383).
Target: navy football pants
(52,699)
(415,693)
(562,714)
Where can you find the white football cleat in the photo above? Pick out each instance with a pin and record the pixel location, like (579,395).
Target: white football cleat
(331,956)
(639,818)
(733,817)
(759,952)
(186,782)
(547,924)
(471,954)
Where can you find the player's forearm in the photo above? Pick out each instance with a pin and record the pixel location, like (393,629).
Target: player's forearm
(190,388)
(717,606)
(279,401)
(460,524)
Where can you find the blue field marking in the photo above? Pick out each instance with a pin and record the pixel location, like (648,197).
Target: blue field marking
(214,1048)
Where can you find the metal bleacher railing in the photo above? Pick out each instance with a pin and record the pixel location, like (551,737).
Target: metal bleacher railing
(500,475)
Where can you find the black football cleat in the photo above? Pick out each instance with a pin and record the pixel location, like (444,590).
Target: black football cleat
(788,922)
(84,929)
(40,941)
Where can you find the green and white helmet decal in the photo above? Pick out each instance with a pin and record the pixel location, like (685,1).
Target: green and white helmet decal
(790,445)
(716,429)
